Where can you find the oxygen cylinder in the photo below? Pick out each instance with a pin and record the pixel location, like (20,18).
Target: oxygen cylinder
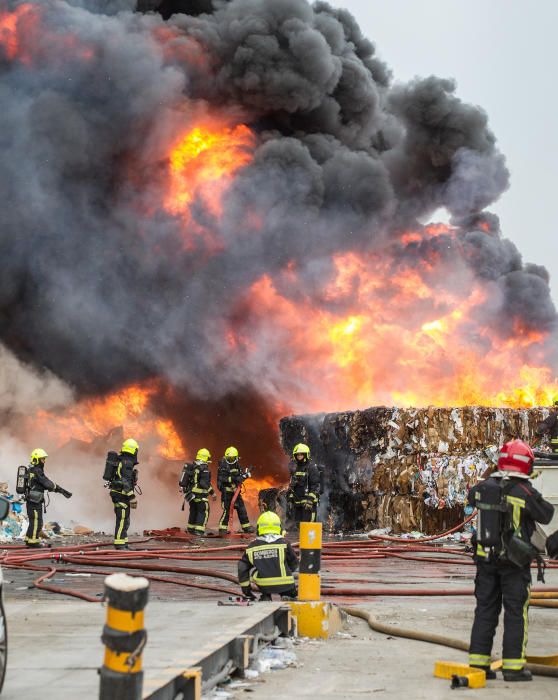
(111,465)
(184,481)
(489,501)
(22,480)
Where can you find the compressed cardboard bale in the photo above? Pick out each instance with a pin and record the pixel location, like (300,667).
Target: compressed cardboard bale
(400,468)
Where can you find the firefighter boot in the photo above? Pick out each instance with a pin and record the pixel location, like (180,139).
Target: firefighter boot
(522,675)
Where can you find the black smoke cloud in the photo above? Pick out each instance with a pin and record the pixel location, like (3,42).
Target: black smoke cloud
(98,286)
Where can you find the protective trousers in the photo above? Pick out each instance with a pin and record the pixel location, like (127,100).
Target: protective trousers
(199,513)
(35,515)
(122,512)
(304,515)
(497,583)
(240,508)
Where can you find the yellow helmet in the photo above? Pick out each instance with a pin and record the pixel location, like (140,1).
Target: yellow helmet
(130,446)
(231,455)
(203,455)
(37,455)
(301,449)
(269,523)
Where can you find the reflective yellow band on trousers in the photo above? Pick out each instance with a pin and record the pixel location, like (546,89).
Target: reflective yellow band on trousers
(124,621)
(116,661)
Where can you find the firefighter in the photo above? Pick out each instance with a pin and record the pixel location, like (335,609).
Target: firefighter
(269,561)
(37,484)
(197,488)
(122,491)
(550,427)
(229,478)
(508,507)
(304,486)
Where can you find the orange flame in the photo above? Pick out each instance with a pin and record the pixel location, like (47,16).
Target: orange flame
(23,18)
(251,489)
(405,339)
(26,38)
(202,165)
(92,418)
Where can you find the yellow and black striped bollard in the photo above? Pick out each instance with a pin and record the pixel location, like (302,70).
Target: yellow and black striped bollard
(310,556)
(314,617)
(124,637)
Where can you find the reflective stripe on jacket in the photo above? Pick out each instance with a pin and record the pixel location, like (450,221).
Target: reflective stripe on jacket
(270,560)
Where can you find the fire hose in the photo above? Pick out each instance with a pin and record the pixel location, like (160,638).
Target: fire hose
(351,552)
(427,539)
(236,494)
(535,668)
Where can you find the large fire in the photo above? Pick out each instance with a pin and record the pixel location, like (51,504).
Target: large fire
(129,408)
(391,330)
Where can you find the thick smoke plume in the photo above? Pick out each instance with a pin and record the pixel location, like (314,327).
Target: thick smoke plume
(105,285)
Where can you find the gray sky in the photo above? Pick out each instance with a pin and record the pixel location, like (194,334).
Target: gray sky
(503,55)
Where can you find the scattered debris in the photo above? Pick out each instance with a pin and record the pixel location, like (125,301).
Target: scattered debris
(82,530)
(405,470)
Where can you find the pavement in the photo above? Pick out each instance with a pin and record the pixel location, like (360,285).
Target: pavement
(360,663)
(55,647)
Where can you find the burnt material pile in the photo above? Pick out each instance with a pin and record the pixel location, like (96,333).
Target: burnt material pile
(406,469)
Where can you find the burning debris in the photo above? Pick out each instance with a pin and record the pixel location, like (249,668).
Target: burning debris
(405,469)
(214,217)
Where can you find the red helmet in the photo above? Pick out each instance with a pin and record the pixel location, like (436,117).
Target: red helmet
(516,456)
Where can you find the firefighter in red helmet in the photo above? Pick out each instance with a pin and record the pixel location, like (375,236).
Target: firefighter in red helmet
(508,507)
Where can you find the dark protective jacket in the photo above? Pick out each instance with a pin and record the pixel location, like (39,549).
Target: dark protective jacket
(270,560)
(526,504)
(305,481)
(200,480)
(126,475)
(38,483)
(229,476)
(550,426)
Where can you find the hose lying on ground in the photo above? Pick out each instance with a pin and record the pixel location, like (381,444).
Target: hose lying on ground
(442,640)
(458,527)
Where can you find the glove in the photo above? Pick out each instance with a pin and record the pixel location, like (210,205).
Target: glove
(65,493)
(133,503)
(247,593)
(307,505)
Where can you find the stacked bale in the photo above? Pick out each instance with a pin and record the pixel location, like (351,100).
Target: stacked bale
(405,469)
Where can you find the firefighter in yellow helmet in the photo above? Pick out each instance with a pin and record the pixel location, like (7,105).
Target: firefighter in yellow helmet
(304,487)
(230,478)
(195,483)
(269,561)
(549,427)
(36,483)
(122,490)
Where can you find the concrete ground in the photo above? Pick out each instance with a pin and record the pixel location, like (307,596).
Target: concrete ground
(362,663)
(55,646)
